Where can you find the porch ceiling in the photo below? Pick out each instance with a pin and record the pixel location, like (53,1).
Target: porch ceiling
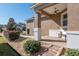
(51,10)
(60,7)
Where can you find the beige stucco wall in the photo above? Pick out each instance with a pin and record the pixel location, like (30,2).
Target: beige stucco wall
(30,25)
(48,24)
(73,16)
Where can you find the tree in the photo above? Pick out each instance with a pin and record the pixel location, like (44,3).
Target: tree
(12,33)
(11,24)
(21,26)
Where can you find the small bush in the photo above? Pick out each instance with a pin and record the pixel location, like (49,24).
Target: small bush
(72,52)
(32,46)
(13,35)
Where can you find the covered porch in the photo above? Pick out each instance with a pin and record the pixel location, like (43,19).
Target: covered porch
(56,12)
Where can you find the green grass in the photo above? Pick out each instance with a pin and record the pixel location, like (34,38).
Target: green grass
(6,50)
(2,39)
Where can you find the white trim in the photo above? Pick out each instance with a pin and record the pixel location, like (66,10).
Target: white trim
(43,5)
(72,32)
(34,5)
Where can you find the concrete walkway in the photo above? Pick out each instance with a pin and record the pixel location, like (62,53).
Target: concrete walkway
(27,36)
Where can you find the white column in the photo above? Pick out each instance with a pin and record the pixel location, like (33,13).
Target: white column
(37,27)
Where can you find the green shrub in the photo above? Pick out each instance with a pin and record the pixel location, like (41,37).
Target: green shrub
(13,35)
(32,46)
(72,52)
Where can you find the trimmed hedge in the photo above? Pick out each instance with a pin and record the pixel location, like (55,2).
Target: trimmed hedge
(72,52)
(32,46)
(12,35)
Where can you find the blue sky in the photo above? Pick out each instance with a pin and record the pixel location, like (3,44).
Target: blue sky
(19,11)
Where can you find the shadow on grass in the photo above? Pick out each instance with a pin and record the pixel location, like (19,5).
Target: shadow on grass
(18,40)
(0,36)
(7,50)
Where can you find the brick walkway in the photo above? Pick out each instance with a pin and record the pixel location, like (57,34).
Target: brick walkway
(18,45)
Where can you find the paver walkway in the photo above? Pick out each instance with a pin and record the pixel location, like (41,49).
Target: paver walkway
(18,46)
(52,47)
(52,50)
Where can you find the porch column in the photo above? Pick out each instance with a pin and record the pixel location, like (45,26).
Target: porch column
(37,27)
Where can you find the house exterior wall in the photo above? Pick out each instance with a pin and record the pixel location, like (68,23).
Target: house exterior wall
(30,26)
(73,26)
(48,24)
(73,16)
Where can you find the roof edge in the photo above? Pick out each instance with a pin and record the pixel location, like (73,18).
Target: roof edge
(36,5)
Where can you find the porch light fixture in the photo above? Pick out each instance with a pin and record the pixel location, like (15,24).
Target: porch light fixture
(56,11)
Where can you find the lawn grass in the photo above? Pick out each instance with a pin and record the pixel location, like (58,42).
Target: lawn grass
(5,49)
(2,39)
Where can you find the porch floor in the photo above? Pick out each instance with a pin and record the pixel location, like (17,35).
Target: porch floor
(48,38)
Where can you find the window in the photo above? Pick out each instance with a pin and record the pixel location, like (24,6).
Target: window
(65,22)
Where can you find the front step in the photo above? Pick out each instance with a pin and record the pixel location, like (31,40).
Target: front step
(51,50)
(56,39)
